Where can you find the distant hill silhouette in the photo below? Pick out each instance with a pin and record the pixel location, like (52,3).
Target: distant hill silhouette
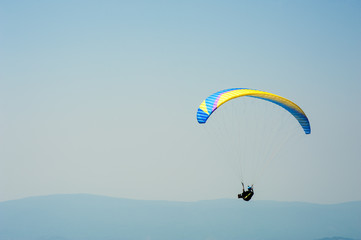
(90,217)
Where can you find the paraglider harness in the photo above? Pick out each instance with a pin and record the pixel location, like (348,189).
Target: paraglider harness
(246,195)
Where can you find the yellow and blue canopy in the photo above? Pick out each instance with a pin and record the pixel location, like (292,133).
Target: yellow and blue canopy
(214,101)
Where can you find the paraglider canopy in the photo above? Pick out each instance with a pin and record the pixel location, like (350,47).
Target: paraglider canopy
(211,103)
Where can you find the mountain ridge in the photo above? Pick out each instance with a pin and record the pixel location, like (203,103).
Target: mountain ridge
(88,216)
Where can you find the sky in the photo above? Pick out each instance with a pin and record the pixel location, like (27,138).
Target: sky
(100,97)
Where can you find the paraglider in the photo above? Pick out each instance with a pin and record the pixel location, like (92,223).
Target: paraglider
(216,100)
(246,195)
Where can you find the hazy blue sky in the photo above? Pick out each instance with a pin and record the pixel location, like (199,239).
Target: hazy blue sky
(101,96)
